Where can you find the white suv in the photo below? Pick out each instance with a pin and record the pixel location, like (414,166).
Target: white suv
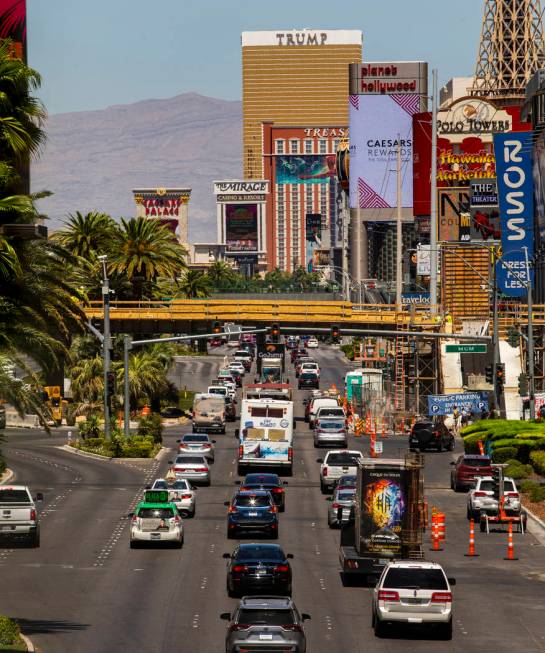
(413,592)
(481,499)
(337,463)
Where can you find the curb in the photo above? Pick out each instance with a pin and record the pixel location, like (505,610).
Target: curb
(7,476)
(28,643)
(97,456)
(537,525)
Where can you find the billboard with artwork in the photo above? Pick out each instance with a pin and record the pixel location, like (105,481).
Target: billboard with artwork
(13,25)
(313,235)
(241,227)
(305,169)
(379,124)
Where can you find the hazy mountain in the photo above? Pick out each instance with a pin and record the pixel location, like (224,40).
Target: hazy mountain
(93,159)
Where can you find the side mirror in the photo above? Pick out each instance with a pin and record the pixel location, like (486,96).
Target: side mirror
(285,483)
(452,581)
(290,556)
(148,487)
(39,496)
(226,616)
(170,462)
(237,433)
(178,440)
(319,460)
(238,482)
(329,498)
(452,462)
(227,556)
(130,515)
(226,503)
(213,442)
(305,616)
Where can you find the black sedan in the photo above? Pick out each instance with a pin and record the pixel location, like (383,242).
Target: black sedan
(252,510)
(308,380)
(269,482)
(258,568)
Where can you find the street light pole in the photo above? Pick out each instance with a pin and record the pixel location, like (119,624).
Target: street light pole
(433,198)
(399,232)
(126,389)
(531,378)
(106,343)
(495,337)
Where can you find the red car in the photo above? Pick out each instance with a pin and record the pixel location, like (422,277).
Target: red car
(467,469)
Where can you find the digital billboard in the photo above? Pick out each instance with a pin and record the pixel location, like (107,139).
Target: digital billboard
(313,235)
(13,25)
(241,227)
(379,124)
(305,169)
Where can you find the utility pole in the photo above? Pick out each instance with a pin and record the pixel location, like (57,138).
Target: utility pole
(126,390)
(399,233)
(495,335)
(531,378)
(433,198)
(106,343)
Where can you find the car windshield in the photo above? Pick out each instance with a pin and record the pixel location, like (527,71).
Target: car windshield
(415,578)
(348,480)
(488,486)
(260,553)
(195,438)
(190,460)
(156,513)
(346,495)
(344,459)
(333,412)
(422,426)
(266,617)
(14,496)
(476,462)
(331,426)
(160,485)
(308,375)
(252,502)
(179,485)
(270,479)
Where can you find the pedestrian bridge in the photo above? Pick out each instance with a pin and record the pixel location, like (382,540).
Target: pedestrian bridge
(194,315)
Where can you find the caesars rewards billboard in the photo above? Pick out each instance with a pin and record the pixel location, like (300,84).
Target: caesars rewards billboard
(384,98)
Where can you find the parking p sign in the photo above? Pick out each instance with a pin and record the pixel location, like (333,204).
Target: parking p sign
(465,402)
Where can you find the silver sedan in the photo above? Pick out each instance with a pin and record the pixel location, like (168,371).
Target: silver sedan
(344,499)
(181,493)
(193,467)
(198,443)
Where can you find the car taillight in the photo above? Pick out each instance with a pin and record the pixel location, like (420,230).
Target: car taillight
(232,509)
(134,519)
(436,433)
(277,490)
(184,446)
(180,469)
(32,514)
(293,627)
(290,454)
(388,595)
(238,568)
(441,597)
(324,472)
(177,519)
(515,495)
(335,505)
(273,509)
(239,626)
(240,451)
(186,496)
(479,494)
(207,446)
(282,569)
(201,469)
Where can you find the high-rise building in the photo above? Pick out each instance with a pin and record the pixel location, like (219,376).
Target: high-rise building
(293,78)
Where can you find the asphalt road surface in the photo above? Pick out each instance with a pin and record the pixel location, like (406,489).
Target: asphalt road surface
(85,591)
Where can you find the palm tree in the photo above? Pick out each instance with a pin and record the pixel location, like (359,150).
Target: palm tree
(147,377)
(194,284)
(87,235)
(87,385)
(143,250)
(220,273)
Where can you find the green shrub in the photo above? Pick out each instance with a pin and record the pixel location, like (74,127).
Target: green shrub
(537,460)
(90,427)
(517,470)
(537,494)
(9,631)
(95,442)
(471,442)
(528,485)
(151,425)
(503,454)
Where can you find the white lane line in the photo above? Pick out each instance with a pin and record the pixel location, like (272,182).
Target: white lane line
(316,549)
(322,584)
(195,622)
(204,582)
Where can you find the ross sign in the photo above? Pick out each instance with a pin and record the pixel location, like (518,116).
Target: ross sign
(473,116)
(156,496)
(454,217)
(516,200)
(413,298)
(468,402)
(470,348)
(245,187)
(241,227)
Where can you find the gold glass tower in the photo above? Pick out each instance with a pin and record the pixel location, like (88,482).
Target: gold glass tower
(294,77)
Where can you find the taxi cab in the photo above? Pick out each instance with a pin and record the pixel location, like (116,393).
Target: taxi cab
(156,519)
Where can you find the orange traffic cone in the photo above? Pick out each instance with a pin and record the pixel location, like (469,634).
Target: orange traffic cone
(510,547)
(481,447)
(383,433)
(435,535)
(471,551)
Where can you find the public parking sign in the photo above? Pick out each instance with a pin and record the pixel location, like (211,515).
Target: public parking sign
(468,402)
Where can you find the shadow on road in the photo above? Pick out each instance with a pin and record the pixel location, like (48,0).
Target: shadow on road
(44,626)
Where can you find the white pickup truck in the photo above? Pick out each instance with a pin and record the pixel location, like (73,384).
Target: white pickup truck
(18,514)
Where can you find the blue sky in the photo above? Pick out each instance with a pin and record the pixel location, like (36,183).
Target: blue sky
(103,52)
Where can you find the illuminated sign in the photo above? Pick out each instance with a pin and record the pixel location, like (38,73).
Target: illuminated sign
(472,116)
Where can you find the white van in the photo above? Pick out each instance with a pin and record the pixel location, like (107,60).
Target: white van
(265,434)
(320,402)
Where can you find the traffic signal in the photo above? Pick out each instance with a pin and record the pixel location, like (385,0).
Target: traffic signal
(335,332)
(216,327)
(523,384)
(497,479)
(275,332)
(110,383)
(489,373)
(500,376)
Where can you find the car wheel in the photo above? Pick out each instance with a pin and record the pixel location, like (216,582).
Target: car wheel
(440,447)
(471,514)
(482,525)
(231,593)
(274,534)
(446,631)
(180,544)
(457,488)
(323,488)
(133,544)
(35,540)
(281,508)
(231,534)
(451,483)
(379,628)
(241,470)
(373,619)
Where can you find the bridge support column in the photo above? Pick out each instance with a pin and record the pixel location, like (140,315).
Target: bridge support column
(202,345)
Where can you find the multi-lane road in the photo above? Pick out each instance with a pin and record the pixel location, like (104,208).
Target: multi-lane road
(85,591)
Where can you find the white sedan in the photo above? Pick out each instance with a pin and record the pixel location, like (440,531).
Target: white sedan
(312,343)
(181,493)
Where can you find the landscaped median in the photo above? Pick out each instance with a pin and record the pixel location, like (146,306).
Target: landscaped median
(520,445)
(11,638)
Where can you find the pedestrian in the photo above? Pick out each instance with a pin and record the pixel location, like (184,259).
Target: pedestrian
(456,415)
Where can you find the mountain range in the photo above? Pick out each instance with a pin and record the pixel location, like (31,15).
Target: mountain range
(93,159)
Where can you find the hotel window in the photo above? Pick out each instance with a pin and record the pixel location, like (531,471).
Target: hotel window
(323,146)
(295,223)
(308,198)
(336,144)
(294,146)
(323,206)
(281,227)
(308,147)
(279,147)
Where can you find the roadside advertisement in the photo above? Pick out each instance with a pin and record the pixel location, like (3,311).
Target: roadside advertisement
(454,215)
(415,298)
(305,169)
(313,235)
(384,501)
(485,211)
(241,227)
(379,125)
(270,350)
(13,25)
(423,260)
(465,402)
(516,201)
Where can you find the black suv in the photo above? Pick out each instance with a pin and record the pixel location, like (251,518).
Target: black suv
(431,433)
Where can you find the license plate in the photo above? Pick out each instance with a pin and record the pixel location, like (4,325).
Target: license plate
(252,514)
(383,561)
(156,536)
(8,528)
(260,572)
(264,636)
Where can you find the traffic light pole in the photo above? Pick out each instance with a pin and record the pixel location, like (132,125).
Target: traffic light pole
(496,340)
(531,378)
(106,344)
